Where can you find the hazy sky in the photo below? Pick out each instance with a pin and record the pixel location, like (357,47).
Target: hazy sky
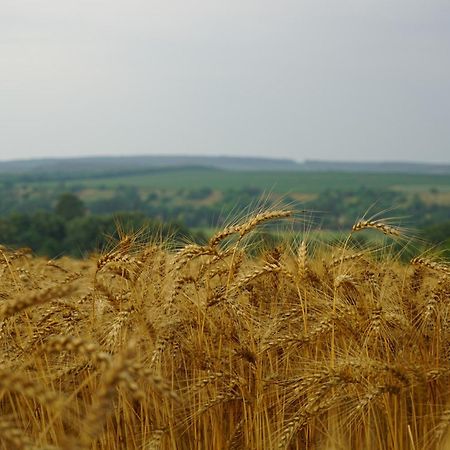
(322,79)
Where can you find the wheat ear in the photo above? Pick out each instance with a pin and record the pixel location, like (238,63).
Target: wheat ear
(246,227)
(377,225)
(18,304)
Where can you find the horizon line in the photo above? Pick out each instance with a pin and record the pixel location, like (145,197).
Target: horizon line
(193,155)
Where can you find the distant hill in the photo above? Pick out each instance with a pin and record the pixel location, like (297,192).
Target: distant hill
(138,164)
(376,167)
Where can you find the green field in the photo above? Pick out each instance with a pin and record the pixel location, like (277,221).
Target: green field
(279,182)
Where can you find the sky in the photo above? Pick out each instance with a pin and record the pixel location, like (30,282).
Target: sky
(303,79)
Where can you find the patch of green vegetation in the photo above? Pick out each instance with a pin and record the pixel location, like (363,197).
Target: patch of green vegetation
(279,182)
(208,199)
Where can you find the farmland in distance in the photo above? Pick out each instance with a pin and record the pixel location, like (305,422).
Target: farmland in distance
(202,199)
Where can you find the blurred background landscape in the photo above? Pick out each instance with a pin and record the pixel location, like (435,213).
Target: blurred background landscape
(71,206)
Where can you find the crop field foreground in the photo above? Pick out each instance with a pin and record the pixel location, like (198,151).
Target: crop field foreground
(217,347)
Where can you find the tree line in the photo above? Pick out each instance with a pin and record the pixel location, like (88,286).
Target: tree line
(69,230)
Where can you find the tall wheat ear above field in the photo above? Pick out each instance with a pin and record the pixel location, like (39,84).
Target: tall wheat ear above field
(300,345)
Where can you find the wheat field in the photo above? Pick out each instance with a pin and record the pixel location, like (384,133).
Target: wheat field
(302,346)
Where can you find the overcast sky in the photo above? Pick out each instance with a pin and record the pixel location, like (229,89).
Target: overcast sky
(321,79)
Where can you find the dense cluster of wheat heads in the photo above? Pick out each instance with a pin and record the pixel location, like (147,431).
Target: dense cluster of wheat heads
(212,347)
